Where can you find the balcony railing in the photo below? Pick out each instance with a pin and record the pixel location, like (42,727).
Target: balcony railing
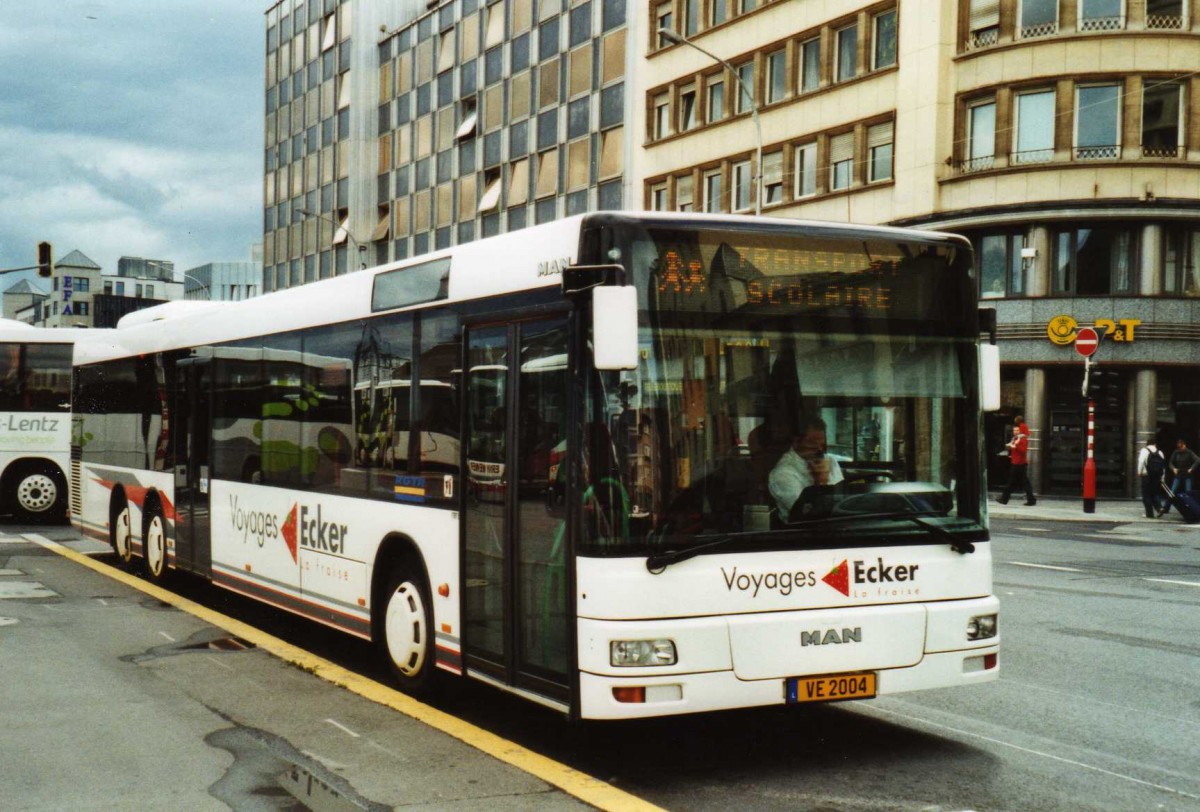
(1106,152)
(1041,30)
(1033,156)
(1161,152)
(983,38)
(980,164)
(1102,23)
(1164,22)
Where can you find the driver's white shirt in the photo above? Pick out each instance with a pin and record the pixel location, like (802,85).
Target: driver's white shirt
(791,475)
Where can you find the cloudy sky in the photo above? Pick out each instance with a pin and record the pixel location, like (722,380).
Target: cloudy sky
(131,128)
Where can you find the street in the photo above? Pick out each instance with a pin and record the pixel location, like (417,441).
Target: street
(1096,707)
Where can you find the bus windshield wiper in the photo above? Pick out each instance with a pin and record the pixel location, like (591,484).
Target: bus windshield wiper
(657,562)
(959,545)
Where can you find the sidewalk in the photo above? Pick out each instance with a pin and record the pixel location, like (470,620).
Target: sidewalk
(1070,509)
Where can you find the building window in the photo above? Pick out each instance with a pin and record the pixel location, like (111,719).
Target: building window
(745,96)
(776,76)
(1094,261)
(883,40)
(691,17)
(772,173)
(82,284)
(684,198)
(662,115)
(841,161)
(984,23)
(81,308)
(687,108)
(1097,122)
(1181,261)
(742,178)
(712,191)
(879,151)
(719,11)
(1164,14)
(981,136)
(1162,127)
(1101,15)
(1035,127)
(1001,269)
(846,58)
(810,65)
(1037,18)
(664,19)
(715,102)
(806,170)
(658,197)
(120,288)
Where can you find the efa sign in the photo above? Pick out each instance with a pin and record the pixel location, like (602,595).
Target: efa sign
(1065,331)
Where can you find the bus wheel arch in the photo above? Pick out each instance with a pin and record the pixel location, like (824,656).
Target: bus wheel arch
(120,526)
(154,538)
(402,615)
(38,490)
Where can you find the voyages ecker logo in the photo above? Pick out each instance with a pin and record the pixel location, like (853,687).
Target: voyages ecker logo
(888,580)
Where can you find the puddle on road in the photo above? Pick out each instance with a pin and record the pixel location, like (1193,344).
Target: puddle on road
(268,773)
(210,640)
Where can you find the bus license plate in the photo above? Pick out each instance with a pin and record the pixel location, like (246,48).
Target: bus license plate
(831,688)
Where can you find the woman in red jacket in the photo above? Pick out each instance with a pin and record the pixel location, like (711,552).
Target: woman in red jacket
(1018,455)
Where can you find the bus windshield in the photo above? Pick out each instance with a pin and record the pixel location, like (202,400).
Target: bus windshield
(790,388)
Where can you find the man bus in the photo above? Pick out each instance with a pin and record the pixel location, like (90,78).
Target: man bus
(629,560)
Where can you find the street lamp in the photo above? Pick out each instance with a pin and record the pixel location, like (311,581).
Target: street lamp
(362,249)
(207,291)
(679,39)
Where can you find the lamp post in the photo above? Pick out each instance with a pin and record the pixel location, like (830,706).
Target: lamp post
(362,249)
(207,290)
(679,39)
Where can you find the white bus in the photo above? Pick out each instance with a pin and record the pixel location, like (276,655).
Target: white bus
(35,419)
(637,554)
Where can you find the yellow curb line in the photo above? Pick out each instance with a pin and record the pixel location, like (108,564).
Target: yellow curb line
(577,784)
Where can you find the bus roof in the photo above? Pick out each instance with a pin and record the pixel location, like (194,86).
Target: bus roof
(520,260)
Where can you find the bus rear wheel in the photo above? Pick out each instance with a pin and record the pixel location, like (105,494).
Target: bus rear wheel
(120,531)
(406,638)
(40,494)
(154,545)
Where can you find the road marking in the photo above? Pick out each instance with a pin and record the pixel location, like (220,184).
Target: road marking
(1043,566)
(25,590)
(343,728)
(1169,581)
(1034,529)
(169,637)
(1030,751)
(577,784)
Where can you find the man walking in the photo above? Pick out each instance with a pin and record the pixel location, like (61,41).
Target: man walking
(1182,465)
(1018,457)
(1150,467)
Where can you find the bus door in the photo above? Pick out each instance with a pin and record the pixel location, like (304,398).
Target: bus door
(517,608)
(192,416)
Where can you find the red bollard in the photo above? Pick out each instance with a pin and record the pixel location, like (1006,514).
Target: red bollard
(1089,465)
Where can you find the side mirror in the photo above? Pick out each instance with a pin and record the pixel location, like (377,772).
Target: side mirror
(615,327)
(989,377)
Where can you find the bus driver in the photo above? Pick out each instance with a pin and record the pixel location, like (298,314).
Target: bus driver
(804,464)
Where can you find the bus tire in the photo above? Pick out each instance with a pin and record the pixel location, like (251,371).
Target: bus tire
(40,494)
(154,544)
(406,639)
(120,530)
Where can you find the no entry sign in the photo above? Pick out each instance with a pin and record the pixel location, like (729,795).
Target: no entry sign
(1086,341)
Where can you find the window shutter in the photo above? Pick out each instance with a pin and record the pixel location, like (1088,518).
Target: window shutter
(984,14)
(841,148)
(879,135)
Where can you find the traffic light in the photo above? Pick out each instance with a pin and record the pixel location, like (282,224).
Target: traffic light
(45,259)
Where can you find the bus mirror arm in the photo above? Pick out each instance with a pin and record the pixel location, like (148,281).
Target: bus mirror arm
(579,279)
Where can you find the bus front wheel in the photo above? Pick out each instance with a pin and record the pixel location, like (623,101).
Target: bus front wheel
(406,641)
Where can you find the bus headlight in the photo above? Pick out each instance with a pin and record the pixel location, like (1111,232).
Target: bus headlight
(635,653)
(981,627)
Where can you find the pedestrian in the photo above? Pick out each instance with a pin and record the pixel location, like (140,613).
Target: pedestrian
(1182,465)
(1018,457)
(1150,467)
